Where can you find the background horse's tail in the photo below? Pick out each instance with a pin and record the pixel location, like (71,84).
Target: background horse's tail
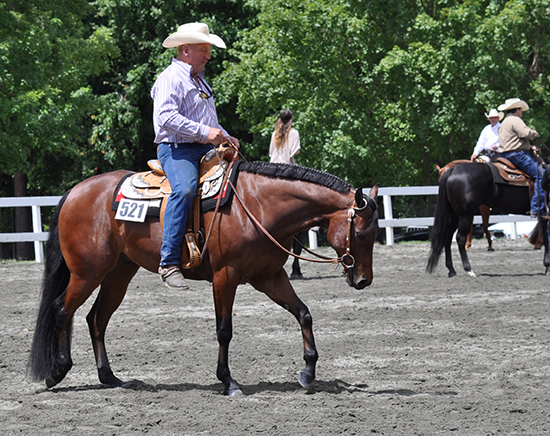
(536,236)
(444,215)
(44,350)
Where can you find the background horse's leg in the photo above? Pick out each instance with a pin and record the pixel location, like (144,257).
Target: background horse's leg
(297,249)
(485,214)
(544,224)
(225,285)
(464,226)
(112,291)
(279,289)
(469,238)
(448,239)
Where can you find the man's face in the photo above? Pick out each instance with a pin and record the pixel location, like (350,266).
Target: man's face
(493,120)
(197,56)
(519,112)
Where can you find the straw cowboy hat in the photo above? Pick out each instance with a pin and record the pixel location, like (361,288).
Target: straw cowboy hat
(493,113)
(193,33)
(513,103)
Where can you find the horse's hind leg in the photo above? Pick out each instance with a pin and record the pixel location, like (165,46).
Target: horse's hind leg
(64,307)
(112,291)
(464,226)
(279,289)
(485,214)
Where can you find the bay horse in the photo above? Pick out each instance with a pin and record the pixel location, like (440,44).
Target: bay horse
(88,248)
(462,190)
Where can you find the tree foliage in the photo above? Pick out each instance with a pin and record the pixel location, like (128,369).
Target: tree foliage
(384,90)
(381,90)
(46,57)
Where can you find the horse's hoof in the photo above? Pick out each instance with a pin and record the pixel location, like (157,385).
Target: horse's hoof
(114,383)
(306,380)
(50,382)
(107,377)
(490,249)
(452,274)
(296,276)
(471,273)
(232,390)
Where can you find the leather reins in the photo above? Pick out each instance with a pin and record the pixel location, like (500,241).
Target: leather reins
(346,260)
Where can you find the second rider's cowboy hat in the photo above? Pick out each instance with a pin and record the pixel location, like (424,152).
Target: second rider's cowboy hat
(193,33)
(493,113)
(513,103)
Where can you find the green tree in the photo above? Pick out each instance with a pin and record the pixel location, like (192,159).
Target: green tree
(46,55)
(383,90)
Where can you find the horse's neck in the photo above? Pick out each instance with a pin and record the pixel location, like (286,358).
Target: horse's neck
(297,204)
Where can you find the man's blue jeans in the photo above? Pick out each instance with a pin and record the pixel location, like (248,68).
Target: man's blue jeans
(180,162)
(526,163)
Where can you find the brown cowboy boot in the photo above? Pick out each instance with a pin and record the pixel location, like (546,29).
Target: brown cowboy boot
(172,277)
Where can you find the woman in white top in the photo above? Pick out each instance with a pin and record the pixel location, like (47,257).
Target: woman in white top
(285,140)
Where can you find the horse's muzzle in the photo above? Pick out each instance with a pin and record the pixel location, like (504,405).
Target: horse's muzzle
(358,282)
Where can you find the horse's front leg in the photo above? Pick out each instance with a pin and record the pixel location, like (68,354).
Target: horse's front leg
(224,297)
(464,226)
(279,289)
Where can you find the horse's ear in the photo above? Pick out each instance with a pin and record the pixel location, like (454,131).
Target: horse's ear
(359,200)
(373,193)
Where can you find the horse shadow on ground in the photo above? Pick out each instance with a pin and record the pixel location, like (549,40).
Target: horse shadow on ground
(334,387)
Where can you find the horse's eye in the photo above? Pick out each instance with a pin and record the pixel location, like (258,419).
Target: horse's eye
(359,235)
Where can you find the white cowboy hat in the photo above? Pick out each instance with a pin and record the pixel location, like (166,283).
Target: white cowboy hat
(193,33)
(493,113)
(513,103)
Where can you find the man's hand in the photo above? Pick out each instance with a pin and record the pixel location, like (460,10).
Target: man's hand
(234,142)
(215,136)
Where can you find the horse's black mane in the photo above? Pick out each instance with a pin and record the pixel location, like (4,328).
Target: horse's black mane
(296,172)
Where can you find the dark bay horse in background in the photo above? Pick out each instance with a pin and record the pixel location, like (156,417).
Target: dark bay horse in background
(462,190)
(536,237)
(484,211)
(88,248)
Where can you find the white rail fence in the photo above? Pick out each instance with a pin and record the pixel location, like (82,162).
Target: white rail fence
(38,235)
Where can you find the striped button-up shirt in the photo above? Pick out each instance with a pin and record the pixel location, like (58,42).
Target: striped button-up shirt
(180,114)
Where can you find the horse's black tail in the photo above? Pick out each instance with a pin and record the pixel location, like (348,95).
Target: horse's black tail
(44,350)
(442,229)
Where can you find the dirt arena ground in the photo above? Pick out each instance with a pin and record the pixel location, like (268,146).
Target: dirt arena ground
(414,354)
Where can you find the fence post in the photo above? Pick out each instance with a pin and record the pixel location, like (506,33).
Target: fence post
(37,228)
(312,235)
(388,214)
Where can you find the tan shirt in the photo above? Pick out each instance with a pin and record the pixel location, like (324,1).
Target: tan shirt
(513,134)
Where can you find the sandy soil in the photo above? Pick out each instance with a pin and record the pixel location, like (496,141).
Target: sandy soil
(414,354)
